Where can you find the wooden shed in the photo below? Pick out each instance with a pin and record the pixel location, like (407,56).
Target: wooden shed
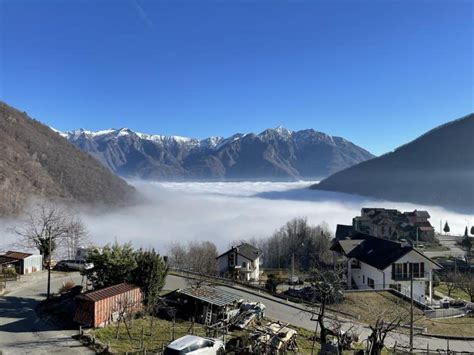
(101,307)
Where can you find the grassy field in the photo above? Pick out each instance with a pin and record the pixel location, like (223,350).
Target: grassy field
(456,293)
(162,335)
(369,304)
(155,340)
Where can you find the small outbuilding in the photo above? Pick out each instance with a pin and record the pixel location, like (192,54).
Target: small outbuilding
(101,307)
(208,305)
(26,263)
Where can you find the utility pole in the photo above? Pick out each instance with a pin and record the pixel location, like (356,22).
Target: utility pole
(410,270)
(416,237)
(49,262)
(292,267)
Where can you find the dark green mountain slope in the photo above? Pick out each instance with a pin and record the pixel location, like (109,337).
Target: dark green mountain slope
(436,168)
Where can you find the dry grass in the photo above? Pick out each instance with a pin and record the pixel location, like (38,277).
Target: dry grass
(367,304)
(161,334)
(456,293)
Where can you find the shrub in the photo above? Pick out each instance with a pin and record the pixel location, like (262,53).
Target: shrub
(66,287)
(9,271)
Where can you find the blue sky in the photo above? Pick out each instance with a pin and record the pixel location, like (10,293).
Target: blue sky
(378,72)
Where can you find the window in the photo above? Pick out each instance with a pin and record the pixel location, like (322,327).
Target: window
(231,259)
(404,271)
(355,264)
(370,282)
(363,279)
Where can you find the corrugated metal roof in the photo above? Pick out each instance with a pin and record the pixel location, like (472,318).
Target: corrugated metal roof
(211,295)
(17,254)
(108,292)
(7,260)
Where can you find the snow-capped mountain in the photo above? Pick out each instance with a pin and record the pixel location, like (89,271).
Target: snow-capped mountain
(276,153)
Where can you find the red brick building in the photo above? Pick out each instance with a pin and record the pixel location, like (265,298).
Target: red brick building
(101,307)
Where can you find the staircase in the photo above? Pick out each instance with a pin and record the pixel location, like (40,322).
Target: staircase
(208,319)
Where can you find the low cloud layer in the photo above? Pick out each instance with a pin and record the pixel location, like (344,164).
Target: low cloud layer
(226,212)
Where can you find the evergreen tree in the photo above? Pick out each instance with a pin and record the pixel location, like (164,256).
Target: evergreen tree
(149,274)
(112,266)
(446,228)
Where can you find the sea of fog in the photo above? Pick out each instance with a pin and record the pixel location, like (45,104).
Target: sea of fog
(226,212)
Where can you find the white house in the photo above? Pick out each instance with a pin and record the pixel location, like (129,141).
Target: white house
(241,262)
(378,263)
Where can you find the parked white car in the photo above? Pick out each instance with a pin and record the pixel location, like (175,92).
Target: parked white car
(73,265)
(192,344)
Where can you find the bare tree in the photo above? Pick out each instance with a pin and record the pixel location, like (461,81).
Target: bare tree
(177,256)
(45,227)
(327,287)
(123,309)
(386,321)
(344,338)
(466,283)
(199,257)
(77,237)
(309,245)
(451,280)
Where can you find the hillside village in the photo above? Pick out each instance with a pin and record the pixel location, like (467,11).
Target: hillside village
(240,177)
(202,299)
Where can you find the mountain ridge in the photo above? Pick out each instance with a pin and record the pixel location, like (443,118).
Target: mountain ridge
(276,153)
(435,168)
(35,161)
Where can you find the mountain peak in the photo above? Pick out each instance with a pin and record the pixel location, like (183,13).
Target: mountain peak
(280,131)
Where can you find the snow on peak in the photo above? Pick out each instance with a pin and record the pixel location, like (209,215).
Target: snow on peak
(62,134)
(211,142)
(283,131)
(279,131)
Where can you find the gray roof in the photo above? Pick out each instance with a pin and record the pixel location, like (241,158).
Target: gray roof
(211,295)
(349,244)
(246,250)
(375,251)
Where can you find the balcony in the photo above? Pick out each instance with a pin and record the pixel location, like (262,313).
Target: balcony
(423,276)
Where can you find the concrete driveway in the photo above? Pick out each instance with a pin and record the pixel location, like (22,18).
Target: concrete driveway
(23,332)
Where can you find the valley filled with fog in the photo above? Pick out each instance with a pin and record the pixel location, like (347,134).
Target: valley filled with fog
(227,212)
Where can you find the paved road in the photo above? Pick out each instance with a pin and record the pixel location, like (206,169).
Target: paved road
(295,316)
(450,242)
(22,332)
